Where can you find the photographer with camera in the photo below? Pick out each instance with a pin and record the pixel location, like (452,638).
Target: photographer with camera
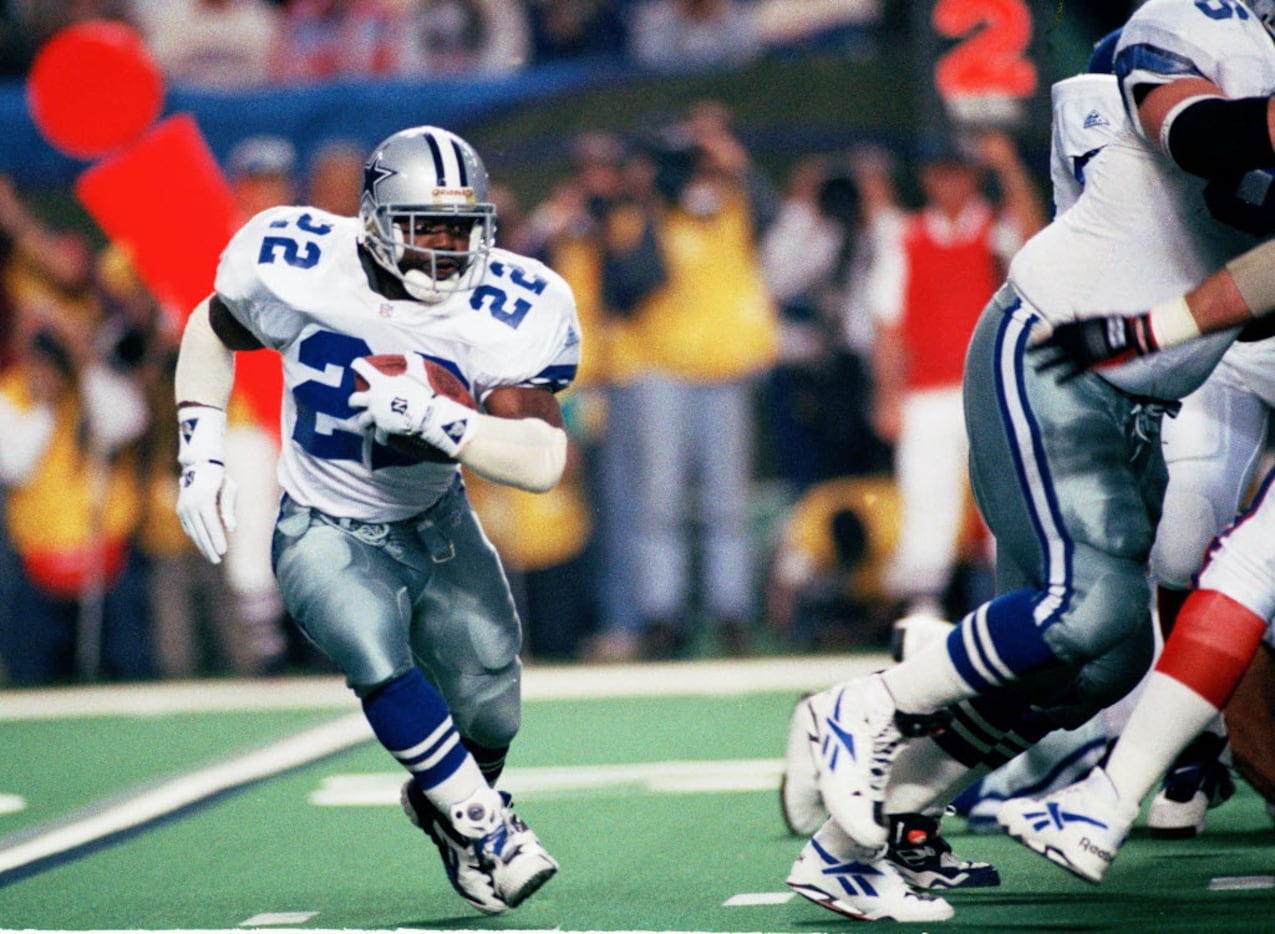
(72,411)
(685,355)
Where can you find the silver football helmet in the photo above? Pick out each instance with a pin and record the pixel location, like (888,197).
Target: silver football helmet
(1264,10)
(420,178)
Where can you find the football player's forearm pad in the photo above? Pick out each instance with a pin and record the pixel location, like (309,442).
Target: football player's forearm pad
(205,366)
(527,453)
(1212,136)
(1254,276)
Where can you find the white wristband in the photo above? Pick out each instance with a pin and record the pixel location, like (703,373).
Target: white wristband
(201,435)
(1172,323)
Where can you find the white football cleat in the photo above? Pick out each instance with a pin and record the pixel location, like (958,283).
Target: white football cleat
(519,864)
(1080,827)
(465,871)
(493,860)
(867,890)
(799,797)
(853,741)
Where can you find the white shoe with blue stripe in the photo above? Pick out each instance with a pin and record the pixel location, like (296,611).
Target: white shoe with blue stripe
(854,739)
(865,890)
(1080,827)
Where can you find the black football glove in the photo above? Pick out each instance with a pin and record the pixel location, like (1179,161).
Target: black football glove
(1075,347)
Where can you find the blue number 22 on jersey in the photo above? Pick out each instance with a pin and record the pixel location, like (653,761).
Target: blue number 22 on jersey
(322,406)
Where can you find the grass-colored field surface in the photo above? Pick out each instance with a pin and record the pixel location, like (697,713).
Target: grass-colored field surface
(196,807)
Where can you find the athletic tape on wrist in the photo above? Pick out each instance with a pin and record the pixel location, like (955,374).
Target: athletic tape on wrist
(1172,322)
(1254,275)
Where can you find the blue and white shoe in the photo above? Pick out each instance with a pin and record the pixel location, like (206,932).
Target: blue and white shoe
(493,860)
(865,890)
(853,741)
(1081,827)
(465,871)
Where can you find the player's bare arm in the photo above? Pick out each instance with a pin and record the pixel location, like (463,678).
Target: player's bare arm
(524,402)
(233,334)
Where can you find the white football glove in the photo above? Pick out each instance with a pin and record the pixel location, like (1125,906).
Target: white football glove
(406,404)
(205,494)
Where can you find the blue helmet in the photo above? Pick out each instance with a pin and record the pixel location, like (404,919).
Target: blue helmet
(1102,60)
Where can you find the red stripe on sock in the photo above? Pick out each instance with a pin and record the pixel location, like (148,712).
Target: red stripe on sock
(1212,643)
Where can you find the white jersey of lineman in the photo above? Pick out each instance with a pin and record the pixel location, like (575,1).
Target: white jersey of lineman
(293,277)
(1141,231)
(1087,115)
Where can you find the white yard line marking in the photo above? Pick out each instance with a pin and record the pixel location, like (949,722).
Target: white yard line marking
(277,918)
(749,899)
(377,789)
(540,682)
(1240,883)
(158,801)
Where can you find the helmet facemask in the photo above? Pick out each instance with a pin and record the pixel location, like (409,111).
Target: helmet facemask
(418,179)
(429,274)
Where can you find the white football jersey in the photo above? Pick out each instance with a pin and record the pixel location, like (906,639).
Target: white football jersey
(1219,40)
(1141,231)
(1087,115)
(293,277)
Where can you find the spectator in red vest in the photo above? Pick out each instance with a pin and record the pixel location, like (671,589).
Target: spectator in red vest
(950,257)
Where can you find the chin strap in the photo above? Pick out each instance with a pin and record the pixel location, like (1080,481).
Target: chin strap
(422,288)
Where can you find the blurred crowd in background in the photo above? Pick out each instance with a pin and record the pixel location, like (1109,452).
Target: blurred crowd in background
(757,386)
(247,43)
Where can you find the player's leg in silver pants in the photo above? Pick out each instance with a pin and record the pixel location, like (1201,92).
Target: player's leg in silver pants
(429,591)
(1070,479)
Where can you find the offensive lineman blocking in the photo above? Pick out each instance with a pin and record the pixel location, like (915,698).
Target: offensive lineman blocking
(1087,115)
(1220,626)
(1074,521)
(379,556)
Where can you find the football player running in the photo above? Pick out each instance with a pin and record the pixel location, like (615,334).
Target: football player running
(1075,515)
(379,556)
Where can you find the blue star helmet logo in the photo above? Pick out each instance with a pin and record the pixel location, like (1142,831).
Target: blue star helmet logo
(374,173)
